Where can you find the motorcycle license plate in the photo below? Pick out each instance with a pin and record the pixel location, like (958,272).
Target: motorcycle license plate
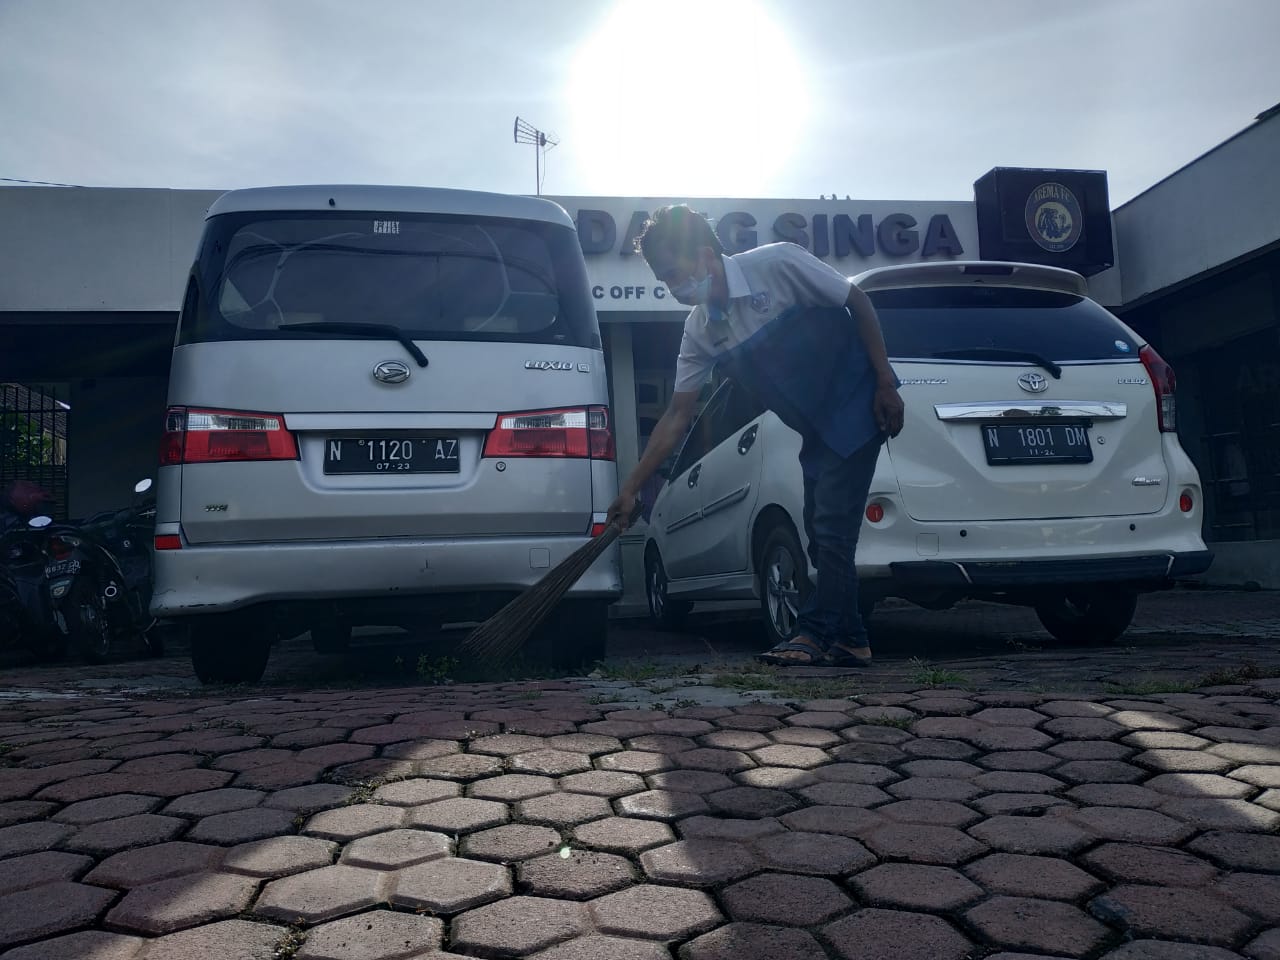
(62,568)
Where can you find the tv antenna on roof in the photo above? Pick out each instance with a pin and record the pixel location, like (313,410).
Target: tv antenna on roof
(526,132)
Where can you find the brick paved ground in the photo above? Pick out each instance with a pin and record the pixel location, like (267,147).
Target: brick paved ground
(613,819)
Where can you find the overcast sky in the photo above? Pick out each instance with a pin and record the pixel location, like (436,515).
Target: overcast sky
(875,99)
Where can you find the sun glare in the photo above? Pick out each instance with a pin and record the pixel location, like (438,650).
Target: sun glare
(685,98)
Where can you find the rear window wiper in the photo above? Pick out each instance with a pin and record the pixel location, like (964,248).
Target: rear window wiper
(384,330)
(995,353)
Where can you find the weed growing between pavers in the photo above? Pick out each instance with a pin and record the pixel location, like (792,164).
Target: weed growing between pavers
(1240,675)
(1145,688)
(929,676)
(290,944)
(902,723)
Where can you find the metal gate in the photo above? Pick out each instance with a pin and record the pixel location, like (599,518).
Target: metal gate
(33,438)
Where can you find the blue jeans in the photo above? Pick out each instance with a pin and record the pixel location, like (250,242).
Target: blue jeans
(835,497)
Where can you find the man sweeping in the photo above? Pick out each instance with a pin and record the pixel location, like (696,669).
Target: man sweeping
(807,343)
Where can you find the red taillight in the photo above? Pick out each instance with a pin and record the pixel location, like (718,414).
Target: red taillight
(875,512)
(219,436)
(1186,503)
(582,432)
(60,548)
(168,541)
(1163,380)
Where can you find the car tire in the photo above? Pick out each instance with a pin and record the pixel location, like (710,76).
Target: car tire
(1091,615)
(331,636)
(230,647)
(784,582)
(573,636)
(87,623)
(667,613)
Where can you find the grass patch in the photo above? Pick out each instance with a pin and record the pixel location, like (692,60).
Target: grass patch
(363,792)
(1242,674)
(766,679)
(635,671)
(927,675)
(290,944)
(902,723)
(600,698)
(825,688)
(435,670)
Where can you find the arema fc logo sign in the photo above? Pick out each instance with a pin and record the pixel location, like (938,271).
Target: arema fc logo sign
(1053,217)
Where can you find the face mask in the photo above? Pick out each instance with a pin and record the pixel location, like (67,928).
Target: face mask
(694,291)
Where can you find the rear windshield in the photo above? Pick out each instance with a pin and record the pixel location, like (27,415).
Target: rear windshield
(923,322)
(434,277)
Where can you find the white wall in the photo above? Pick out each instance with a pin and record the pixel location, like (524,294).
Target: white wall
(75,248)
(1224,205)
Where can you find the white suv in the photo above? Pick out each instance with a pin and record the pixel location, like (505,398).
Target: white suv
(1038,466)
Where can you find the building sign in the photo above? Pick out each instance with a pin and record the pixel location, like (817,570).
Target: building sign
(851,235)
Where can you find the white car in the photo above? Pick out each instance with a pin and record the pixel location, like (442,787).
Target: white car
(1038,466)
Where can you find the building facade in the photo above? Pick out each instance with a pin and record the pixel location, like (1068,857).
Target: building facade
(90,283)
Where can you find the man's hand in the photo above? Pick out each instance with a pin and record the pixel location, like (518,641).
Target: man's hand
(888,408)
(621,509)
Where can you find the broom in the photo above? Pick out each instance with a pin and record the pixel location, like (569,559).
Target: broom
(504,633)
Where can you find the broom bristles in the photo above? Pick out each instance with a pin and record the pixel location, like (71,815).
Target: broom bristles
(499,637)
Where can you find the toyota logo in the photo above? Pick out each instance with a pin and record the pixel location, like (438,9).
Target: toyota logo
(391,371)
(1033,383)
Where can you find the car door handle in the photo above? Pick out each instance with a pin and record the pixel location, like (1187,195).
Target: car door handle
(747,439)
(693,475)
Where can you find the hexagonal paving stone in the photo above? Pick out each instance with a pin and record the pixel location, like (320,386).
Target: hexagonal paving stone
(242,826)
(212,802)
(920,843)
(934,788)
(511,787)
(662,805)
(519,926)
(310,797)
(229,938)
(94,944)
(182,902)
(754,941)
(1255,893)
(564,809)
(1164,950)
(1146,864)
(845,772)
(34,869)
(48,910)
(110,808)
(635,761)
(788,755)
(111,836)
(415,792)
(553,763)
(785,899)
(351,823)
(777,778)
(598,948)
(582,875)
(319,895)
(940,813)
(1046,878)
(1133,826)
(699,863)
(32,838)
(623,834)
(135,868)
(458,815)
(691,781)
(378,935)
(1048,926)
(655,913)
(510,843)
(1221,813)
(450,885)
(717,761)
(915,887)
(279,856)
(396,849)
(603,783)
(844,794)
(752,802)
(875,934)
(1045,835)
(812,853)
(1238,851)
(1171,913)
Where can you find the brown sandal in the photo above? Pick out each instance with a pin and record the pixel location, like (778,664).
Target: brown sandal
(813,653)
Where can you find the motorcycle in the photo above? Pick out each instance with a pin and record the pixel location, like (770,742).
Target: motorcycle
(26,609)
(99,578)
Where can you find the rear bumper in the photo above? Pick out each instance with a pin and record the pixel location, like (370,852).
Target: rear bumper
(213,579)
(1151,568)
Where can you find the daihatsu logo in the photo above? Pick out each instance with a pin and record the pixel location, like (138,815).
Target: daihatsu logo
(391,371)
(1033,383)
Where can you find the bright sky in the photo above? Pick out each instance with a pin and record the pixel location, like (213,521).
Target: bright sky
(907,100)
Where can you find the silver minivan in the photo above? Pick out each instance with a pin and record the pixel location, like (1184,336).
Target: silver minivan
(387,406)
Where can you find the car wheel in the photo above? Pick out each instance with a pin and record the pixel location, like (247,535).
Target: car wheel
(331,636)
(230,647)
(573,636)
(1097,615)
(666,613)
(784,582)
(87,624)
